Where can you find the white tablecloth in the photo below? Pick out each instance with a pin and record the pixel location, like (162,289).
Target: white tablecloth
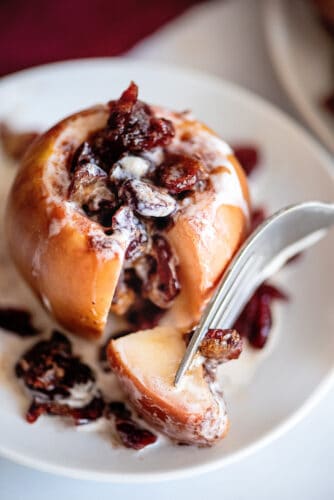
(225,38)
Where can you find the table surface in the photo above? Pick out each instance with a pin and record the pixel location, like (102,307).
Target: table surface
(225,38)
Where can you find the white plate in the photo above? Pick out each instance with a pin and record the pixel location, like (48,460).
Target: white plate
(299,365)
(303,55)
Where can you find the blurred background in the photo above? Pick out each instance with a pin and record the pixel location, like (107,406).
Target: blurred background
(40,31)
(280,49)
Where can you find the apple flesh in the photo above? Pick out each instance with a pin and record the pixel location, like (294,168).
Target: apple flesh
(145,363)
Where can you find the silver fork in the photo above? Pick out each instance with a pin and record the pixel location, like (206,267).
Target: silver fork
(276,240)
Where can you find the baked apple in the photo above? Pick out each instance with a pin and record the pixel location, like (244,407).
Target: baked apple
(146,363)
(125,207)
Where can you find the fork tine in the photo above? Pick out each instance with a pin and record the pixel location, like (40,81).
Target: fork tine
(229,283)
(287,232)
(228,313)
(242,276)
(227,289)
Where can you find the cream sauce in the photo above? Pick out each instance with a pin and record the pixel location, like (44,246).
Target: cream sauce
(14,292)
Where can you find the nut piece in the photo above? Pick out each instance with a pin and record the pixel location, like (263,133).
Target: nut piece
(221,345)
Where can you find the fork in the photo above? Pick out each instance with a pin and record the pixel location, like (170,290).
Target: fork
(280,237)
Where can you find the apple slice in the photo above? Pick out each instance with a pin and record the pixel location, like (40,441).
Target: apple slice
(62,254)
(145,363)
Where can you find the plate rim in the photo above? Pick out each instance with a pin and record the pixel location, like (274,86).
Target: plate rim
(314,397)
(272,10)
(154,477)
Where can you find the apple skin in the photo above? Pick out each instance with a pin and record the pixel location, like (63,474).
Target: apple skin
(73,274)
(145,364)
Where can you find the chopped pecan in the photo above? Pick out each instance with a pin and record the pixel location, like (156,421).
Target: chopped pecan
(147,199)
(221,345)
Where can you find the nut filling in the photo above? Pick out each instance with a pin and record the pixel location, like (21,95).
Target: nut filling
(129,179)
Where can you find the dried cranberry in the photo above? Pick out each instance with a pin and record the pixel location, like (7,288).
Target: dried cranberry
(133,436)
(133,127)
(162,284)
(262,323)
(84,415)
(179,173)
(89,413)
(147,199)
(221,345)
(248,156)
(35,410)
(255,320)
(18,321)
(49,368)
(119,410)
(272,292)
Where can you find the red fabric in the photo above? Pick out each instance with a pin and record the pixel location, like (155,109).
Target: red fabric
(39,31)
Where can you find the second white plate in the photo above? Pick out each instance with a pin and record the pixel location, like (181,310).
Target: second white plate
(303,55)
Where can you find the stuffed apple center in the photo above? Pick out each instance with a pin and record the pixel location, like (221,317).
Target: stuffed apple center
(134,177)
